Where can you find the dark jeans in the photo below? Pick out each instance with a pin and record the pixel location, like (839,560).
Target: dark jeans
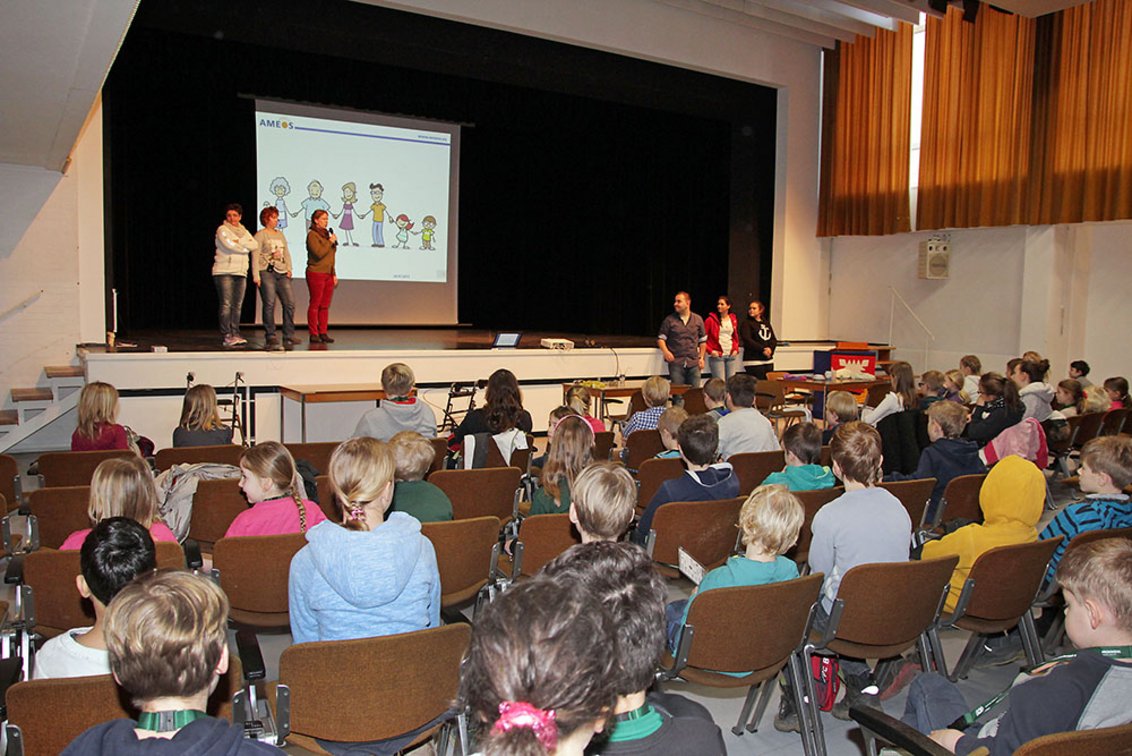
(271,285)
(230,292)
(686,376)
(934,702)
(674,621)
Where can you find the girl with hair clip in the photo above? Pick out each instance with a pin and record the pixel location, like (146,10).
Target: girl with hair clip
(1117,391)
(578,399)
(569,454)
(902,397)
(274,489)
(540,675)
(122,487)
(997,408)
(367,575)
(98,426)
(1070,398)
(200,420)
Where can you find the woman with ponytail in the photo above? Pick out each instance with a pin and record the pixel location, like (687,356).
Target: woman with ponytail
(997,408)
(274,489)
(368,575)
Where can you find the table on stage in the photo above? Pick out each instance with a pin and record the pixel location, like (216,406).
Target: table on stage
(822,386)
(614,390)
(304,395)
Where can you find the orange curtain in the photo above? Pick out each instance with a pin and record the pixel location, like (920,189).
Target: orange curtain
(865,147)
(977,115)
(1083,149)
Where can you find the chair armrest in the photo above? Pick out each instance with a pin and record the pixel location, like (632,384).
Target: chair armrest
(14,575)
(251,657)
(896,732)
(193,559)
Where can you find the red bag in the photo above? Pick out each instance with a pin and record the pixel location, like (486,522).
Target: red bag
(826,682)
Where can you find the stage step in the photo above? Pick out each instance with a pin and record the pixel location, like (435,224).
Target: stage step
(36,407)
(31,395)
(64,371)
(9,417)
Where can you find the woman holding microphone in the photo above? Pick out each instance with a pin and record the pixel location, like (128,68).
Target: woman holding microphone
(321,278)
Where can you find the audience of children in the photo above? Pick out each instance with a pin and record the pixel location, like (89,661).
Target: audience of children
(1069,398)
(668,425)
(1096,399)
(578,399)
(621,578)
(655,392)
(569,453)
(367,576)
(1106,470)
(1035,393)
(413,456)
(116,551)
(200,420)
(997,408)
(502,411)
(1117,391)
(744,428)
(273,487)
(704,479)
(400,410)
(167,638)
(803,471)
(604,501)
(840,407)
(1079,370)
(98,426)
(715,396)
(931,388)
(971,368)
(769,520)
(122,487)
(902,397)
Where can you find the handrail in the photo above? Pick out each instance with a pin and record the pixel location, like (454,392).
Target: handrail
(28,302)
(892,320)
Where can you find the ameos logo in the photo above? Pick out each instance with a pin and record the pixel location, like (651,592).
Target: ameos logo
(273,123)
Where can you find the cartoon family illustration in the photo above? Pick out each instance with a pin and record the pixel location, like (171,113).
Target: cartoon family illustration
(377,213)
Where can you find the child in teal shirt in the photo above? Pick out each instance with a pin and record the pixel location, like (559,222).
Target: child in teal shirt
(803,472)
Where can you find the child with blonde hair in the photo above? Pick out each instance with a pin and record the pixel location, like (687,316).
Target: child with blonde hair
(604,501)
(656,393)
(578,399)
(98,426)
(668,425)
(412,494)
(369,575)
(200,419)
(953,387)
(122,487)
(840,407)
(274,489)
(569,453)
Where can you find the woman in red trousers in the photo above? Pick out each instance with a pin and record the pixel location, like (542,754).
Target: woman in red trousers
(321,279)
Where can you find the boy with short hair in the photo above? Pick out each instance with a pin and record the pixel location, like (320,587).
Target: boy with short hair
(840,407)
(1079,371)
(1106,470)
(948,456)
(715,396)
(603,502)
(704,480)
(621,577)
(656,392)
(1088,691)
(167,634)
(744,428)
(804,471)
(972,369)
(930,388)
(668,425)
(412,494)
(399,410)
(113,553)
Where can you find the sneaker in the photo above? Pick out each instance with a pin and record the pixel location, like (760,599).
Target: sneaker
(854,698)
(293,340)
(326,339)
(231,341)
(316,339)
(1000,651)
(786,720)
(238,340)
(908,672)
(274,346)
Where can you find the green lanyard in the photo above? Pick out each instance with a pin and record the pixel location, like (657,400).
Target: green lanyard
(1108,652)
(168,721)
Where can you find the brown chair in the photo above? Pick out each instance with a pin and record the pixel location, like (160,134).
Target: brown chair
(1088,429)
(466,555)
(961,499)
(826,456)
(750,629)
(1113,422)
(914,495)
(10,485)
(520,458)
(603,446)
(693,400)
(636,404)
(996,597)
(770,399)
(253,571)
(326,498)
(541,538)
(488,492)
(170,555)
(705,529)
(221,454)
(651,476)
(58,512)
(876,393)
(440,449)
(74,468)
(812,501)
(44,716)
(642,445)
(394,684)
(753,467)
(317,453)
(48,594)
(1060,450)
(215,504)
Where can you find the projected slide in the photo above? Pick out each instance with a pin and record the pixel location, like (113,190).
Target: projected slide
(387,189)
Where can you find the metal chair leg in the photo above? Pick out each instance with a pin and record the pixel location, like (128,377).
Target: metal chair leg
(970,652)
(1030,641)
(745,712)
(808,708)
(768,687)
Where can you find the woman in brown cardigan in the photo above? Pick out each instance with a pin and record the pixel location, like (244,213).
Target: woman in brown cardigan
(321,279)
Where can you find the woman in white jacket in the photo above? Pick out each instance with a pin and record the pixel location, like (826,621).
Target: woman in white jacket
(1037,395)
(902,397)
(230,272)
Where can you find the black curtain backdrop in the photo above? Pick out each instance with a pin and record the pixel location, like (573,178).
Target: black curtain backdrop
(592,186)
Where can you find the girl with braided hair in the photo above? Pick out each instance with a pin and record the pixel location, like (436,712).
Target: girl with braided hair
(274,489)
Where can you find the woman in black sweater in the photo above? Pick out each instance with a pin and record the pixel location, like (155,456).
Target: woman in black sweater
(997,408)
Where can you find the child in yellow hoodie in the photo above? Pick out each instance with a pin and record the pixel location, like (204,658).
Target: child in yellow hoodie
(1011,498)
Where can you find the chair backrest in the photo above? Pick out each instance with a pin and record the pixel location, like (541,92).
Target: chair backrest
(545,537)
(1105,741)
(59,512)
(326,498)
(520,458)
(826,456)
(751,628)
(603,446)
(1088,536)
(220,454)
(914,495)
(1006,580)
(642,445)
(753,467)
(170,555)
(316,452)
(694,401)
(888,605)
(463,555)
(74,468)
(487,492)
(9,474)
(1089,428)
(769,395)
(903,436)
(253,573)
(1113,421)
(961,498)
(877,392)
(373,688)
(812,501)
(636,403)
(706,530)
(440,449)
(58,606)
(215,504)
(651,476)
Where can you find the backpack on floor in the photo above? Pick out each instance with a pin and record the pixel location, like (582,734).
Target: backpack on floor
(826,682)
